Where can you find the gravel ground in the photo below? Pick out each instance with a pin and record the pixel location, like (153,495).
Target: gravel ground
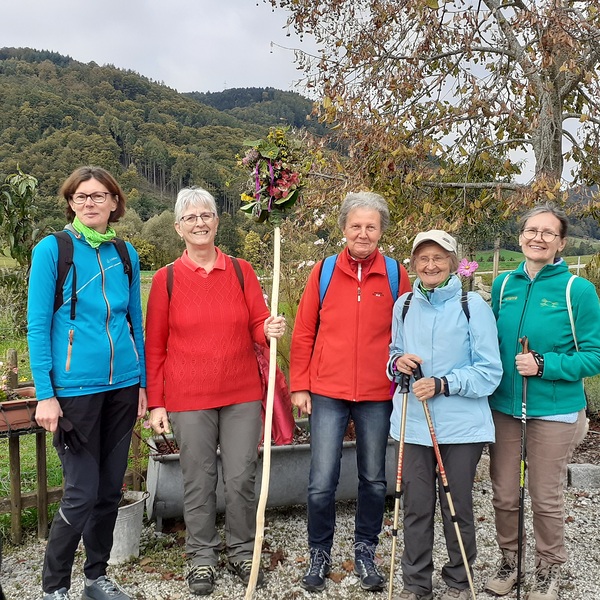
(157,574)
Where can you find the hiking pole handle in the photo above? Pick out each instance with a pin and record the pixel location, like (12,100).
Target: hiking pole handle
(418,372)
(525,344)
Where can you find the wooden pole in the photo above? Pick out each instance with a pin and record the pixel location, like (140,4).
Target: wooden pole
(266,468)
(14,458)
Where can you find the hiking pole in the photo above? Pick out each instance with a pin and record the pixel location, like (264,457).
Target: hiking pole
(525,343)
(418,373)
(404,381)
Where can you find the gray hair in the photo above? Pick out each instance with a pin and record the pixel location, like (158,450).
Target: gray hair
(367,200)
(551,208)
(194,197)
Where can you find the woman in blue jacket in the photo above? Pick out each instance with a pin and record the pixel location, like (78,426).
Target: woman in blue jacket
(87,359)
(454,340)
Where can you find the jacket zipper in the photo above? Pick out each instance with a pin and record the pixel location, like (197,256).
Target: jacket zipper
(355,385)
(110,341)
(69,350)
(517,399)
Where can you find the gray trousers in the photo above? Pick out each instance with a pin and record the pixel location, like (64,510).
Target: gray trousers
(419,480)
(236,430)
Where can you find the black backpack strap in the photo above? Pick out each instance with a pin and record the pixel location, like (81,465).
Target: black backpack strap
(406,305)
(123,253)
(238,271)
(464,302)
(64,263)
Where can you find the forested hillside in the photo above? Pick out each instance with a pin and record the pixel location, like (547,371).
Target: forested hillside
(58,113)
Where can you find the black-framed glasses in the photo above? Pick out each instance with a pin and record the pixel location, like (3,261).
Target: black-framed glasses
(547,236)
(206,217)
(96,197)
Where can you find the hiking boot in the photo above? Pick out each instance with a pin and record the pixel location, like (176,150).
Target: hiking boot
(103,589)
(407,595)
(547,582)
(201,579)
(453,593)
(243,568)
(364,567)
(320,565)
(62,594)
(505,577)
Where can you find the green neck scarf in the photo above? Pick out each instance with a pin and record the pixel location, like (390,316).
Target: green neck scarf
(428,291)
(93,237)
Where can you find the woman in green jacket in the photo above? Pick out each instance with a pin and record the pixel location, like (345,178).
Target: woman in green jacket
(559,313)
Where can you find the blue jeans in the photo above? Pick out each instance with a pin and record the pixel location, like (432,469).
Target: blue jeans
(328,423)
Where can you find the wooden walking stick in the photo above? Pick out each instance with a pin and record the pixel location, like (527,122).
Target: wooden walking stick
(266,468)
(444,478)
(404,381)
(266,200)
(521,522)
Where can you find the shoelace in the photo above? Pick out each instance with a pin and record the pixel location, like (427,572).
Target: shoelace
(245,566)
(545,576)
(201,572)
(60,595)
(366,558)
(319,558)
(110,588)
(505,571)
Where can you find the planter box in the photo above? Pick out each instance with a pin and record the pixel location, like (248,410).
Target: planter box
(17,415)
(288,483)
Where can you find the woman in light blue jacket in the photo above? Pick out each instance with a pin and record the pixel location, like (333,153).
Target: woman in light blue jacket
(453,337)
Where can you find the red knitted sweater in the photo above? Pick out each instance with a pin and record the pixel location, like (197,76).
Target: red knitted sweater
(199,346)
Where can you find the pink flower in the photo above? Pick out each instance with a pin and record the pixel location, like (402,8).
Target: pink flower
(467,268)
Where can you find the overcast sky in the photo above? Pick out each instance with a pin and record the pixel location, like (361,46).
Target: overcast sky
(190,45)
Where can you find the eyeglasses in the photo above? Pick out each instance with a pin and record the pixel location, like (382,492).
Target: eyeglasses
(436,260)
(547,236)
(96,197)
(193,219)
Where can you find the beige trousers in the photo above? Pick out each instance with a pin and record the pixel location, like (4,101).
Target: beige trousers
(549,446)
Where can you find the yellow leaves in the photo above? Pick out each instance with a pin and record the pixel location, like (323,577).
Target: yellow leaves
(432,4)
(426,208)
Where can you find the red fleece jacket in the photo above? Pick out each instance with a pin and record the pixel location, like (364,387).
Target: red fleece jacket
(342,350)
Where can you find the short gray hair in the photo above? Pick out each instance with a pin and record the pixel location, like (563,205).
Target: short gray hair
(551,208)
(193,197)
(367,200)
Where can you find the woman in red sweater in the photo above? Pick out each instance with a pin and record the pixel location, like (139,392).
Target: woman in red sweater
(203,377)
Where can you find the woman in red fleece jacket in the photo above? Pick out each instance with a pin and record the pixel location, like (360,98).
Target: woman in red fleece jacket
(203,376)
(338,372)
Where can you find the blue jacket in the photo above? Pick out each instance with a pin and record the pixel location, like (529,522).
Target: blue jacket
(465,352)
(96,351)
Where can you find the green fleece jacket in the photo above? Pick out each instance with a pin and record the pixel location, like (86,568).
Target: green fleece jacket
(538,309)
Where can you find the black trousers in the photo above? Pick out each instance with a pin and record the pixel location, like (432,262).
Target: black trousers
(93,479)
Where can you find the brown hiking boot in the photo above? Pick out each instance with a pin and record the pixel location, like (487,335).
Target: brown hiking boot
(547,582)
(505,577)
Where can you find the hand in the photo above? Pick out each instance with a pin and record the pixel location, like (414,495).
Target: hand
(142,403)
(274,327)
(159,421)
(407,363)
(526,365)
(47,413)
(302,401)
(424,388)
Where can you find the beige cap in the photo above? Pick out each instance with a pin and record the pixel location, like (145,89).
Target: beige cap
(445,240)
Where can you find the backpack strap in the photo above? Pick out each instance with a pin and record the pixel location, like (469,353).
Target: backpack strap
(325,274)
(123,253)
(570,310)
(238,271)
(64,263)
(170,281)
(502,290)
(392,268)
(406,305)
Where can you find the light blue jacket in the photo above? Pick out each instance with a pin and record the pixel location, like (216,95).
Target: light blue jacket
(96,351)
(465,352)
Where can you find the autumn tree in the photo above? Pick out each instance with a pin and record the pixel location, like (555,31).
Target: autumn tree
(439,102)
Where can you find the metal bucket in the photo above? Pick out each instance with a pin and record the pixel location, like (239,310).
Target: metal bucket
(128,528)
